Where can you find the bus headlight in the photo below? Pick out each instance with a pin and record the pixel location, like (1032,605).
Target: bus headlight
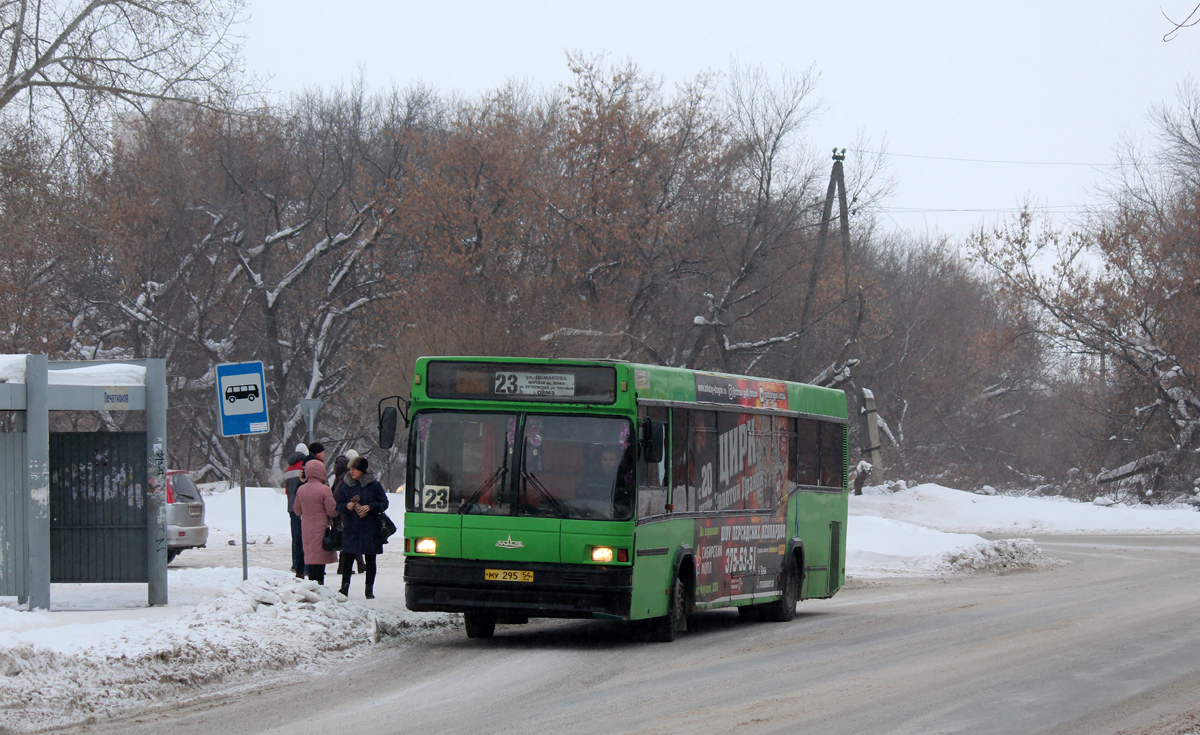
(603,554)
(426,546)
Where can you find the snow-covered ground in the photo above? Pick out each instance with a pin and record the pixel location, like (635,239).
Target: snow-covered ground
(101,651)
(930,529)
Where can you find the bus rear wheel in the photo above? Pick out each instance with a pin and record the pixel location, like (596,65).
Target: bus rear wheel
(783,610)
(479,623)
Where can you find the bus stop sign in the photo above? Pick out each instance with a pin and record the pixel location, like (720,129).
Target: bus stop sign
(242,399)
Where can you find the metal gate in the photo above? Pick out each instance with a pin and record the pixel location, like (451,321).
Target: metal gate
(12,514)
(98,519)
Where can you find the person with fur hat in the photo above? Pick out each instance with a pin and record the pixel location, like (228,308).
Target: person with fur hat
(315,506)
(360,500)
(291,481)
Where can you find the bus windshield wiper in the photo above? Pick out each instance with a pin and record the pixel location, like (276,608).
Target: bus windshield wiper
(501,471)
(559,508)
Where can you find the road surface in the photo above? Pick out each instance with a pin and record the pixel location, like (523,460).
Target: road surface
(1108,641)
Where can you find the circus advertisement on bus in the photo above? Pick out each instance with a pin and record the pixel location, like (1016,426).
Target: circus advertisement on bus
(750,470)
(741,391)
(738,556)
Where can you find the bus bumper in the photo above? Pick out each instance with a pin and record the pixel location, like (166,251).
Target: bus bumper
(558,590)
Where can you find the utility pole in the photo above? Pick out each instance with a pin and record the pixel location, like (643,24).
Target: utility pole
(837,186)
(869,428)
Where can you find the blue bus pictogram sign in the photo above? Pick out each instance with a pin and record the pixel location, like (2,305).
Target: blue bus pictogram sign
(241,398)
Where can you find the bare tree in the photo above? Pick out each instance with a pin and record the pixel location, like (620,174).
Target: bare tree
(68,64)
(269,236)
(32,245)
(958,379)
(1135,317)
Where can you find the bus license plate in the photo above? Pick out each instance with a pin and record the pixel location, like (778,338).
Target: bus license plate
(507,575)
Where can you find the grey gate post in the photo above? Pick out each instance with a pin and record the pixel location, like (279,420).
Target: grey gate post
(156,466)
(870,432)
(37,454)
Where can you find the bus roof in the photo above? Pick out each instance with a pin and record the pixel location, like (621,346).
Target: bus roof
(659,383)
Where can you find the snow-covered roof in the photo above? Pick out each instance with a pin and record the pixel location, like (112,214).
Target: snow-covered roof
(12,370)
(104,374)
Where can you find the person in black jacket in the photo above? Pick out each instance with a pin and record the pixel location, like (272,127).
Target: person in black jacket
(291,481)
(360,501)
(341,465)
(316,450)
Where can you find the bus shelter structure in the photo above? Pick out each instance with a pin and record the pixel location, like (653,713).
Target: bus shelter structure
(81,506)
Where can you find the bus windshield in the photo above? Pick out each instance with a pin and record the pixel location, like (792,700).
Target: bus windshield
(522,464)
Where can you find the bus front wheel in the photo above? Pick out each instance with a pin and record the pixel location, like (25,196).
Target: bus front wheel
(668,627)
(479,623)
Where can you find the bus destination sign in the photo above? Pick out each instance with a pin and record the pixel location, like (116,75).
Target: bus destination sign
(534,384)
(515,381)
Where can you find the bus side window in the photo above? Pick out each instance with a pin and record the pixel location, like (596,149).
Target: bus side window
(788,429)
(734,459)
(652,477)
(805,458)
(683,495)
(832,454)
(702,457)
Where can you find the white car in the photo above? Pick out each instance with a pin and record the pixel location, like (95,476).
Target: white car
(185,514)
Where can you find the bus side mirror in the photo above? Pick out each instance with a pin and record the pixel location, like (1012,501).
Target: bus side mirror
(389,419)
(387,427)
(654,435)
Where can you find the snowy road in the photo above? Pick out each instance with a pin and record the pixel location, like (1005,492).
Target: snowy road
(1106,642)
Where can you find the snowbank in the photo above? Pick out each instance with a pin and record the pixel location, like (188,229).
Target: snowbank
(101,651)
(997,556)
(930,530)
(266,514)
(885,547)
(53,673)
(955,511)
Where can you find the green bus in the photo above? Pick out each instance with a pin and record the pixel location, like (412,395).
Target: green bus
(612,490)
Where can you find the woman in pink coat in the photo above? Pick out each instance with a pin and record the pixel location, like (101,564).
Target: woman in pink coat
(315,505)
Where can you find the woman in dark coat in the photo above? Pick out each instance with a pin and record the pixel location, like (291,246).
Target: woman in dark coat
(341,465)
(360,501)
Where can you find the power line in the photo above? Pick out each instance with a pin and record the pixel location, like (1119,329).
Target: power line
(989,160)
(1063,209)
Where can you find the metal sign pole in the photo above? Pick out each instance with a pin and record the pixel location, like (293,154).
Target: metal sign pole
(242,409)
(242,477)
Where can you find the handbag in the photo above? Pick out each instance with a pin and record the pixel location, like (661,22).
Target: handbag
(332,541)
(386,527)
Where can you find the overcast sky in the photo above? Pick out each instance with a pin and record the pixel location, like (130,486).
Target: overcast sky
(1049,82)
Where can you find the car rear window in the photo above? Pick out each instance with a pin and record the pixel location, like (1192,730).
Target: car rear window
(185,490)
